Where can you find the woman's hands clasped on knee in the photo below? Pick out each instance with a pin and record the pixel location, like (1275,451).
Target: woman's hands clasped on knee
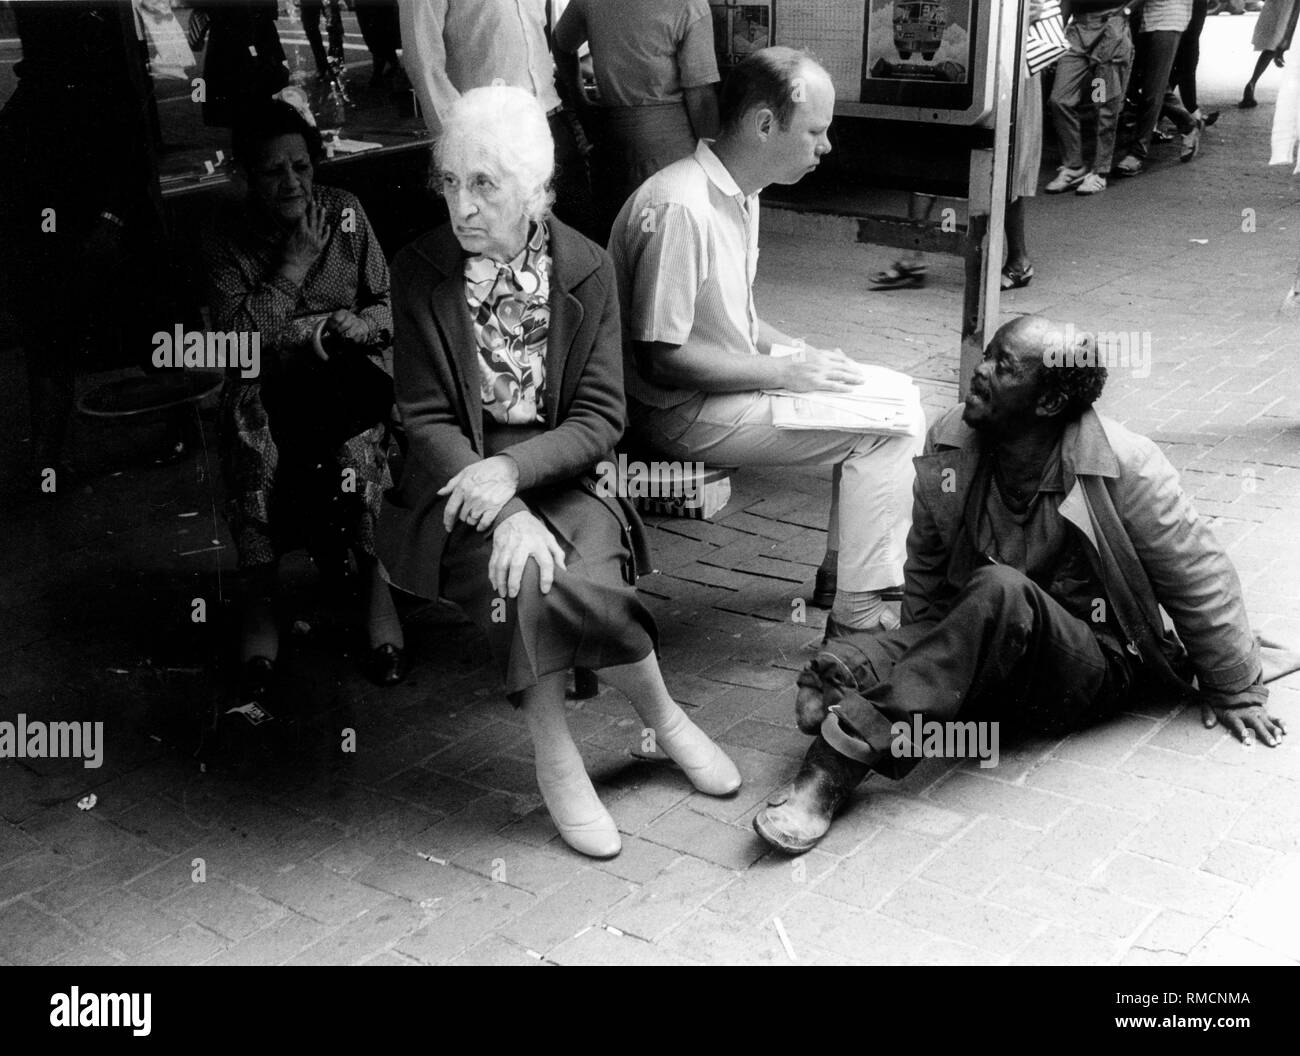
(519,537)
(478,492)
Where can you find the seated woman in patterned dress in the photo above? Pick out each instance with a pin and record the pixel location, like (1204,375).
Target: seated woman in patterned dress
(299,264)
(508,366)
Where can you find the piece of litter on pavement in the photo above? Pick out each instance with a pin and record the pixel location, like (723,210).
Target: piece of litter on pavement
(785,939)
(1200,241)
(87,802)
(301,627)
(429,903)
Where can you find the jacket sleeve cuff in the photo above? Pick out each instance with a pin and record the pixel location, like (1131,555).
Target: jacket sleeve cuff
(526,460)
(515,505)
(1235,678)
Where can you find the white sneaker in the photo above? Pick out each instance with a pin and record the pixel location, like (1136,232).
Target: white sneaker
(1066,179)
(1093,183)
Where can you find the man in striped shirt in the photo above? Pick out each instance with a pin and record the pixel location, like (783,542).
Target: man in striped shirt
(697,357)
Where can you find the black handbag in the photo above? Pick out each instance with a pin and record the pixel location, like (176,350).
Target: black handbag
(315,406)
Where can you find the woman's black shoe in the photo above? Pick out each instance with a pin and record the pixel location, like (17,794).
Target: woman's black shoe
(255,683)
(387,665)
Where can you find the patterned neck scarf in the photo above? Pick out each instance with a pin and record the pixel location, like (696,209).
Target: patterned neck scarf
(510,306)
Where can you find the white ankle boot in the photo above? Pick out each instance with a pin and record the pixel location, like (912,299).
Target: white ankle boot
(583,821)
(707,766)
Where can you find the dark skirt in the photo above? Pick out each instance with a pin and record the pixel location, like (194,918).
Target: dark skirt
(276,504)
(590,617)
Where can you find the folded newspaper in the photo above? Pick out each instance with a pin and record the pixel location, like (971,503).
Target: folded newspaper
(882,403)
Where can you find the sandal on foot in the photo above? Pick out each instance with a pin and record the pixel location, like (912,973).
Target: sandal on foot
(899,276)
(1130,166)
(1017,278)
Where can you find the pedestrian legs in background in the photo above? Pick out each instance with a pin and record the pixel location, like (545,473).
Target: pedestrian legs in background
(1018,271)
(310,12)
(1261,64)
(908,271)
(1096,69)
(1155,60)
(1272,38)
(573,198)
(1188,57)
(381,30)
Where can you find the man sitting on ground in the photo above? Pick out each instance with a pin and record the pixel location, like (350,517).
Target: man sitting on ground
(1045,539)
(697,357)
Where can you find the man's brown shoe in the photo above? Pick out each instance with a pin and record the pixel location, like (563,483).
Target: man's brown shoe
(799,815)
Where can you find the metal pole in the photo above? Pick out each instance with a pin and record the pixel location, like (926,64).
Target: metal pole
(985,235)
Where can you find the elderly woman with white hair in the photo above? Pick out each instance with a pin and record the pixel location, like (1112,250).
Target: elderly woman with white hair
(509,376)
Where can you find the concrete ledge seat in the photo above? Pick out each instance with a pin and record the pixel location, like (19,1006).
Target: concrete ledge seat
(697,492)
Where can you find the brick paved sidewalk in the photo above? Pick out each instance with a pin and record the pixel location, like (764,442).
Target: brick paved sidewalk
(1147,840)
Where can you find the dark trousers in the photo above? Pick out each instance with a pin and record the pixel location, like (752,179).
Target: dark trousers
(1005,650)
(1188,57)
(380,29)
(573,199)
(1155,58)
(311,12)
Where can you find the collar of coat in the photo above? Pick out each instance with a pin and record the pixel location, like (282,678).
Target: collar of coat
(1085,448)
(573,258)
(946,472)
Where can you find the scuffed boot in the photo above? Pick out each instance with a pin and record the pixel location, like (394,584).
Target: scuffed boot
(800,814)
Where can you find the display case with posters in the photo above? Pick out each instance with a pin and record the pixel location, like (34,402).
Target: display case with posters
(738,29)
(905,60)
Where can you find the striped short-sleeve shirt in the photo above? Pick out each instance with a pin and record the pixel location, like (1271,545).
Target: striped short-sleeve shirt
(685,248)
(1169,15)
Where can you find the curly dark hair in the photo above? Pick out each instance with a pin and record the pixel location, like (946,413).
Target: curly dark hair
(262,121)
(1079,379)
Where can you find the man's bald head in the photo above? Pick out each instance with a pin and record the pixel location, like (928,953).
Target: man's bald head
(771,78)
(1030,375)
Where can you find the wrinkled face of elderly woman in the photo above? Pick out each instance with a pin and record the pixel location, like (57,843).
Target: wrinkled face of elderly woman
(488,204)
(281,177)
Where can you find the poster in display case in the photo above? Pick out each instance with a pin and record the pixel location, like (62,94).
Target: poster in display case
(918,52)
(912,60)
(738,29)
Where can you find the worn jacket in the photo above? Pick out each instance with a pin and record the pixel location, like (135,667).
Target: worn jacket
(1146,543)
(436,383)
